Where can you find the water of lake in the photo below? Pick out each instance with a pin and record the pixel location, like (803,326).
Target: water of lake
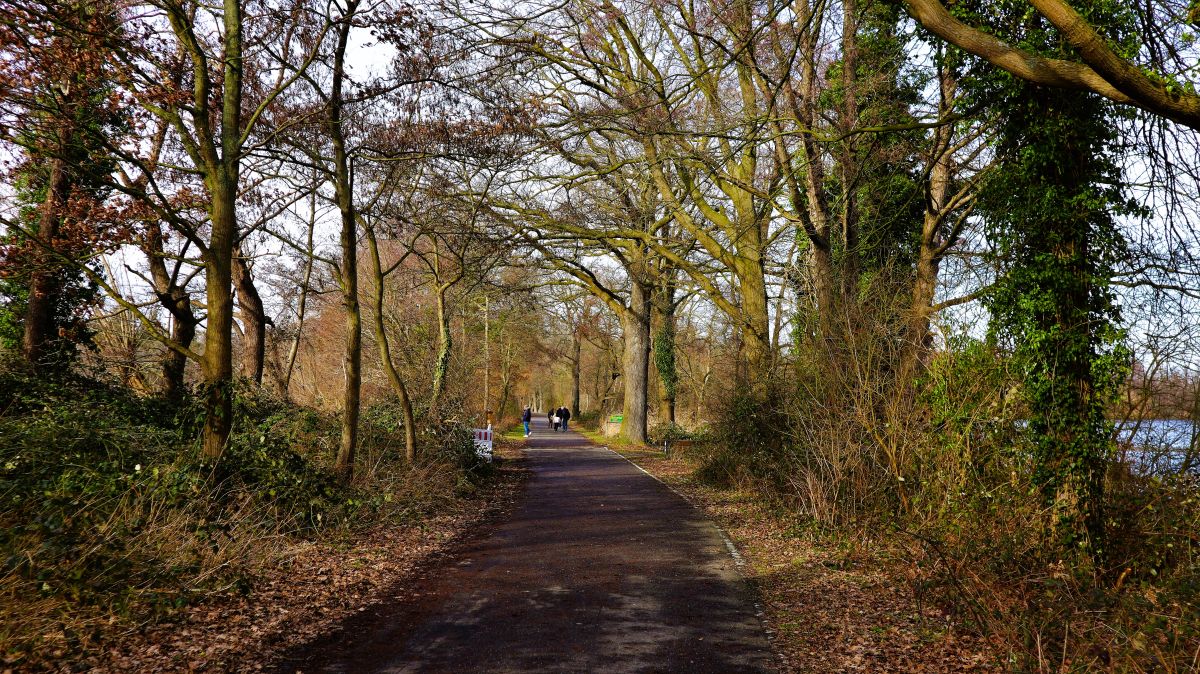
(1160,446)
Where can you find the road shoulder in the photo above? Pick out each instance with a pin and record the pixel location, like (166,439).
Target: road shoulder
(828,607)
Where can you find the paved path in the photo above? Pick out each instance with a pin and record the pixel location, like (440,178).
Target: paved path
(600,569)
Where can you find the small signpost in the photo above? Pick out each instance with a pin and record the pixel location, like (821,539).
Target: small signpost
(483,442)
(612,427)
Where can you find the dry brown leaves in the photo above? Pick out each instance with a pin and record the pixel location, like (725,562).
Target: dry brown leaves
(829,608)
(314,586)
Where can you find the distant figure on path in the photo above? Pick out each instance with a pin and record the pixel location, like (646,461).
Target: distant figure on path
(555,419)
(526,417)
(564,415)
(550,419)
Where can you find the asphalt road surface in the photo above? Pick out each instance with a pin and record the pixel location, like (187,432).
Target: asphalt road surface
(599,569)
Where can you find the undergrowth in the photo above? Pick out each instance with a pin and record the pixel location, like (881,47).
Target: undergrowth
(936,478)
(109,513)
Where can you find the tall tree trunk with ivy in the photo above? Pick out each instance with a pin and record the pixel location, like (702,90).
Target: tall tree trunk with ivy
(664,352)
(56,99)
(1052,206)
(43,286)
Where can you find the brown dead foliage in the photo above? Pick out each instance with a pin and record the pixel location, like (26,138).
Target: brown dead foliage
(829,606)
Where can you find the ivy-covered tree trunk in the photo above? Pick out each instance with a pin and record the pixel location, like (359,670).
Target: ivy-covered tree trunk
(55,94)
(1052,205)
(664,354)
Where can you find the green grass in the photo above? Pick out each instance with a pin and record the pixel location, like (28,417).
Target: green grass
(516,433)
(601,439)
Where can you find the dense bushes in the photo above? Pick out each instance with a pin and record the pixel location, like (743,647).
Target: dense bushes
(986,540)
(106,506)
(940,467)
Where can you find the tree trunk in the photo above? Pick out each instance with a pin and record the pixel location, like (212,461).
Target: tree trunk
(445,344)
(816,205)
(178,303)
(506,375)
(218,334)
(294,351)
(254,319)
(664,354)
(756,328)
(44,282)
(344,193)
(850,165)
(636,328)
(183,332)
(824,287)
(933,243)
(352,358)
(385,350)
(576,362)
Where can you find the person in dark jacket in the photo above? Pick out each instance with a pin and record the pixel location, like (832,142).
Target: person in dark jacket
(564,415)
(526,417)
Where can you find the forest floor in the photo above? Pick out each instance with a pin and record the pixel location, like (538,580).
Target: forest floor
(314,588)
(830,606)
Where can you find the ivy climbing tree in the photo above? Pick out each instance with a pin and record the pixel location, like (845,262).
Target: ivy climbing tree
(1053,207)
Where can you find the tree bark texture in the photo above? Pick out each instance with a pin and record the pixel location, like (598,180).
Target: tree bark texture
(344,193)
(636,328)
(218,335)
(254,319)
(441,364)
(576,364)
(383,342)
(663,322)
(176,300)
(44,281)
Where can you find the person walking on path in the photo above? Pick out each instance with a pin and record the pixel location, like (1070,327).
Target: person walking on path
(550,420)
(526,417)
(565,415)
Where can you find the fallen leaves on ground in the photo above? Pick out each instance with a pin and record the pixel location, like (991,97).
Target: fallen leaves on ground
(313,587)
(829,608)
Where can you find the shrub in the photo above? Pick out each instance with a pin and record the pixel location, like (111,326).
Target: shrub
(107,507)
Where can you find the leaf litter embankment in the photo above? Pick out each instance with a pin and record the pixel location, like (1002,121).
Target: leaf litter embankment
(830,607)
(314,586)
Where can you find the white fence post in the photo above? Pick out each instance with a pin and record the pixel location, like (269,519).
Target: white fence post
(483,442)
